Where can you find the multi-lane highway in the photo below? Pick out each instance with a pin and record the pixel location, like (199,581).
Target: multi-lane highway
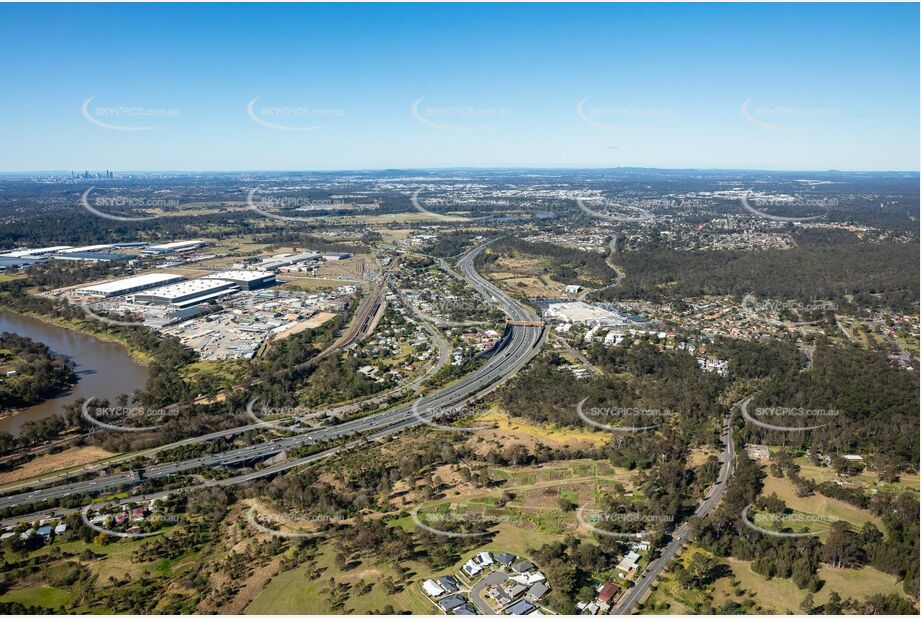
(523,345)
(679,538)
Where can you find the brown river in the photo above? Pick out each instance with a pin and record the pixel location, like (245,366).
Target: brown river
(104,369)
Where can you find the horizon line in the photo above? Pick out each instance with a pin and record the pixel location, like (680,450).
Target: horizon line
(467,168)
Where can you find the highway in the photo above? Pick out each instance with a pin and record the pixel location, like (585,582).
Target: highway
(679,538)
(358,328)
(524,344)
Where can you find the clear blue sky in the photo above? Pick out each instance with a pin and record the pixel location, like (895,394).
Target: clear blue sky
(827,85)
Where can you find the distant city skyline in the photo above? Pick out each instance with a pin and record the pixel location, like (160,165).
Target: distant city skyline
(248,88)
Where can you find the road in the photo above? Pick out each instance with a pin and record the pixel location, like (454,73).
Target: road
(679,538)
(362,319)
(476,592)
(524,344)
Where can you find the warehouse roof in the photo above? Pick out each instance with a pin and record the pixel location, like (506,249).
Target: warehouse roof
(150,279)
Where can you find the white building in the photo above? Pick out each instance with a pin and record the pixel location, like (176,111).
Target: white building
(195,290)
(432,588)
(246,279)
(120,287)
(579,312)
(173,247)
(20,253)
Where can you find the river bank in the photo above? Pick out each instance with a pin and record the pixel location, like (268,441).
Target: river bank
(105,366)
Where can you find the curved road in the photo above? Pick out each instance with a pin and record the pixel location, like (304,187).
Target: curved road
(524,344)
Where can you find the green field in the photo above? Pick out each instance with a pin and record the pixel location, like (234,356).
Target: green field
(766,596)
(818,504)
(39,596)
(292,592)
(868,478)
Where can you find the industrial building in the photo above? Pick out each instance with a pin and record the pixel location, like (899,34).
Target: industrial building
(188,292)
(584,313)
(87,248)
(7,263)
(173,247)
(287,259)
(246,279)
(23,253)
(90,256)
(131,284)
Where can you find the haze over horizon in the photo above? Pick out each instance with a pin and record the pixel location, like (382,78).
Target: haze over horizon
(333,88)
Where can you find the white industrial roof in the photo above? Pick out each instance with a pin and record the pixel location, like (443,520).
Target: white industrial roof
(38,251)
(110,287)
(581,312)
(179,290)
(240,275)
(86,248)
(176,245)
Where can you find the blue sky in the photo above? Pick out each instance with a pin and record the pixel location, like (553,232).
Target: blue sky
(759,86)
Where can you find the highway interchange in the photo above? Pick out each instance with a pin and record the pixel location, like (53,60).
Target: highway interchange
(524,344)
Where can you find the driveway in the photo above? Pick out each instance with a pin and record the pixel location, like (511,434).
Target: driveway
(476,592)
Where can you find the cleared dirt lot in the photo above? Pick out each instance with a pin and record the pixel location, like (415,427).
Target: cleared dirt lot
(71,458)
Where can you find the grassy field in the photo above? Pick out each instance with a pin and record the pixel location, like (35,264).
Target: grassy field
(531,499)
(782,596)
(508,427)
(817,504)
(869,478)
(308,284)
(761,595)
(292,592)
(115,561)
(39,596)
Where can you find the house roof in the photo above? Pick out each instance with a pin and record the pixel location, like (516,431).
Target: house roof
(452,601)
(538,590)
(505,557)
(606,593)
(520,608)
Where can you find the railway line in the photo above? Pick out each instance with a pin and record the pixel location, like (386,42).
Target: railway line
(524,344)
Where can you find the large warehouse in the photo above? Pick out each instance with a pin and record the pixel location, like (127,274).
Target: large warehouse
(173,247)
(246,279)
(188,292)
(131,284)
